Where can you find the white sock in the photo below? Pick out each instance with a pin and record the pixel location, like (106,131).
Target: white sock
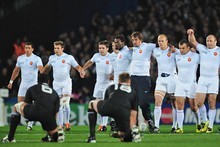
(66,108)
(104,120)
(174,111)
(67,115)
(157,116)
(203,113)
(212,114)
(180,118)
(30,123)
(60,118)
(197,115)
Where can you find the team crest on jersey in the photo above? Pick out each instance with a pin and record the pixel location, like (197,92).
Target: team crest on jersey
(120,56)
(31,62)
(140,51)
(107,62)
(215,53)
(168,54)
(63,61)
(189,59)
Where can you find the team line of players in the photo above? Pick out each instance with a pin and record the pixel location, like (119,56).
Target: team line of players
(176,76)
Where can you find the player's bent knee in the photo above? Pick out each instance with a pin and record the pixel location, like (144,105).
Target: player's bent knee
(18,107)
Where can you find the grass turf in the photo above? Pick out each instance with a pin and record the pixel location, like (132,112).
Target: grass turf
(79,134)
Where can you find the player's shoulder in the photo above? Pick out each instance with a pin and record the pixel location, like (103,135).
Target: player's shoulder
(21,57)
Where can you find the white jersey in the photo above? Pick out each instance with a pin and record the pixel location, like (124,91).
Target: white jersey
(187,66)
(113,58)
(140,65)
(28,65)
(122,62)
(103,67)
(61,67)
(165,61)
(209,60)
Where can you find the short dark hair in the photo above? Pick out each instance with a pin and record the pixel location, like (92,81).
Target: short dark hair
(104,42)
(184,41)
(138,35)
(120,37)
(29,43)
(43,78)
(59,43)
(124,77)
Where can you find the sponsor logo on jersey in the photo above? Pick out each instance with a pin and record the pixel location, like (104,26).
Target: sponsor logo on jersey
(215,53)
(189,59)
(168,54)
(31,62)
(63,61)
(107,62)
(140,51)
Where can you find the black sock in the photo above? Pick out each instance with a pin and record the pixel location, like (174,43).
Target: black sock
(92,115)
(15,120)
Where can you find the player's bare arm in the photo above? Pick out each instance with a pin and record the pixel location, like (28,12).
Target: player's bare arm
(87,64)
(46,69)
(191,37)
(40,68)
(13,76)
(81,71)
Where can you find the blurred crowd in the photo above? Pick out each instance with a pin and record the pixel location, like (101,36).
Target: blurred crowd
(152,17)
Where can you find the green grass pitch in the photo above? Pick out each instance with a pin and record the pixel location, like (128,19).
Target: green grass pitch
(78,134)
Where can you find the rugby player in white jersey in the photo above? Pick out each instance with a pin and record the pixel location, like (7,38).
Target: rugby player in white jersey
(140,75)
(62,83)
(123,59)
(166,79)
(28,64)
(113,58)
(187,64)
(103,71)
(209,80)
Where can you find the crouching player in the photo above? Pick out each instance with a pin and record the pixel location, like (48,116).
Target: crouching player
(41,104)
(120,103)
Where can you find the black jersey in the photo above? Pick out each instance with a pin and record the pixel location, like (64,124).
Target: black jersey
(45,96)
(121,95)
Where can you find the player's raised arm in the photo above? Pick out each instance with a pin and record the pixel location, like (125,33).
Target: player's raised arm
(13,76)
(191,37)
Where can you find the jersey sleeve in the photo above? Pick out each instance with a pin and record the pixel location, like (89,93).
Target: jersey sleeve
(200,47)
(109,90)
(18,64)
(151,46)
(50,60)
(73,62)
(93,59)
(39,61)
